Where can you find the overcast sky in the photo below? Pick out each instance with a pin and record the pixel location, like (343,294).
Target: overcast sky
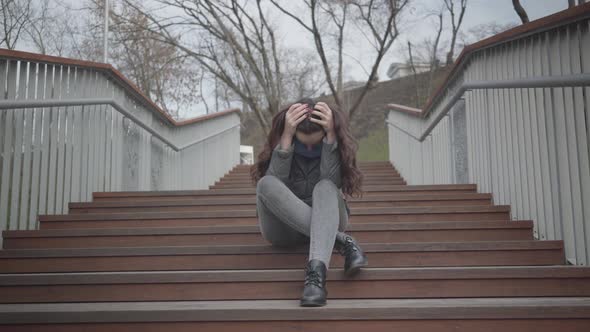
(417,28)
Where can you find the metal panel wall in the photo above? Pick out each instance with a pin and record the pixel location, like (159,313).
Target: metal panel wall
(54,155)
(528,145)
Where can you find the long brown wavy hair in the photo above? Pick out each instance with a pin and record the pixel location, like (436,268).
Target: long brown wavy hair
(347,146)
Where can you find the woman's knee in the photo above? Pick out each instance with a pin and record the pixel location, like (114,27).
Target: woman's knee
(265,182)
(325,185)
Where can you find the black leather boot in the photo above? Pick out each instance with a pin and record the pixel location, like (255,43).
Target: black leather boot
(354,257)
(314,290)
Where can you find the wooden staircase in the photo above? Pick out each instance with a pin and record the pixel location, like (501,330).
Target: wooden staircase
(441,258)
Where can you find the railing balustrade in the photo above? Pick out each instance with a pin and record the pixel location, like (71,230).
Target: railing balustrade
(69,128)
(513,117)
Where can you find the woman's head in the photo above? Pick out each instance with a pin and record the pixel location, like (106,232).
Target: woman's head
(308,132)
(311,133)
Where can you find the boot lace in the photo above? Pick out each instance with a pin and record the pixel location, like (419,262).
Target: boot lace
(313,277)
(348,247)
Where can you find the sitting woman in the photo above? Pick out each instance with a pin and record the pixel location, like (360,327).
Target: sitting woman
(301,176)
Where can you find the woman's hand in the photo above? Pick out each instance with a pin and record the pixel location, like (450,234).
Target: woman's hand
(326,121)
(295,114)
(325,113)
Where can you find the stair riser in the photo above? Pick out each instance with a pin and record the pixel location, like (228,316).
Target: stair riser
(352,205)
(372,173)
(370,177)
(383,172)
(360,166)
(385,325)
(260,290)
(452,235)
(366,177)
(277,261)
(373,192)
(253,220)
(251,195)
(250,183)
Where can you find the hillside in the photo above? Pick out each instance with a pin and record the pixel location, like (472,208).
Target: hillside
(368,125)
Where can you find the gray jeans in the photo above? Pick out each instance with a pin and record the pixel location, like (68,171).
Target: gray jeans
(285,220)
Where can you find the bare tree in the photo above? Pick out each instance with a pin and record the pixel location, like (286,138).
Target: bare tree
(434,62)
(161,71)
(49,30)
(455,24)
(232,40)
(16,15)
(482,31)
(338,11)
(426,52)
(303,74)
(520,11)
(414,74)
(376,18)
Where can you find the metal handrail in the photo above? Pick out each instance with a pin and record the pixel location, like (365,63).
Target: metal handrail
(19,104)
(576,80)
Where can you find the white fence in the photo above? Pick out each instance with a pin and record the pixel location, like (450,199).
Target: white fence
(68,130)
(513,118)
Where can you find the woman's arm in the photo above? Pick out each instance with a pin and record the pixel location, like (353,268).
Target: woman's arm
(280,162)
(330,162)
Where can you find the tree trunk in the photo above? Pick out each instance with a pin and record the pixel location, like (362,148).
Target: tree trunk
(520,11)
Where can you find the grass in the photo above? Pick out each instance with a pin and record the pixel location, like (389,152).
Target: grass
(374,147)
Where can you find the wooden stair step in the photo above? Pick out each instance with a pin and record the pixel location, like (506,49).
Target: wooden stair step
(438,282)
(246,217)
(175,194)
(249,185)
(250,202)
(415,254)
(239,184)
(479,314)
(442,231)
(366,176)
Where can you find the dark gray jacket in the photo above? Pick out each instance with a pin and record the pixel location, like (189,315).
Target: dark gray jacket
(301,174)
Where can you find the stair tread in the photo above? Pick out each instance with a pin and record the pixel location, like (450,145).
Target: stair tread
(253,190)
(252,212)
(252,200)
(278,275)
(245,229)
(342,309)
(268,249)
(220,281)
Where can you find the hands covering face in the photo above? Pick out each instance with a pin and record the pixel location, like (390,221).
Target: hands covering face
(298,112)
(326,120)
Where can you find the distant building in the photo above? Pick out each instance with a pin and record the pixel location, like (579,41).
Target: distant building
(246,154)
(352,85)
(398,69)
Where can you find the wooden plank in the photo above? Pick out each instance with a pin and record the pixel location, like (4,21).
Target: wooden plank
(266,310)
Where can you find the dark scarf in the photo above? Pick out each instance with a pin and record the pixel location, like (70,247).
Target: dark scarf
(301,149)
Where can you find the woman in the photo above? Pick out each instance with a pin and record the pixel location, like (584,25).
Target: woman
(307,164)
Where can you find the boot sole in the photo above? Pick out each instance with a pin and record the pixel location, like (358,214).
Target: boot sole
(355,268)
(312,304)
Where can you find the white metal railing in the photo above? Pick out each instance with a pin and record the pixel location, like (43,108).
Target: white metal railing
(68,129)
(513,117)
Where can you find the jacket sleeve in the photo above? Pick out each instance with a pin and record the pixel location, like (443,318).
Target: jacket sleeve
(280,162)
(330,163)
